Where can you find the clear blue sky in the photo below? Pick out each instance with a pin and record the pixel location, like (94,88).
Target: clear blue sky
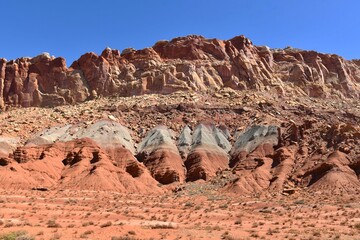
(71,28)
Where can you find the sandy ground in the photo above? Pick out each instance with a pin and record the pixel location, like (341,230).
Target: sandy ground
(110,215)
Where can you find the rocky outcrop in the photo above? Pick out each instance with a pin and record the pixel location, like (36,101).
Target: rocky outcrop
(261,159)
(160,155)
(99,156)
(337,174)
(108,134)
(90,167)
(76,164)
(184,63)
(253,180)
(208,154)
(8,145)
(260,138)
(41,81)
(184,142)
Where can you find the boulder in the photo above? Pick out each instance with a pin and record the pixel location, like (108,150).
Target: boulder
(8,145)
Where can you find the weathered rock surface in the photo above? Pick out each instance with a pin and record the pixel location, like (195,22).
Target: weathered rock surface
(208,154)
(8,145)
(252,160)
(263,158)
(284,162)
(76,164)
(99,156)
(184,142)
(106,133)
(264,137)
(160,155)
(337,174)
(184,63)
(278,145)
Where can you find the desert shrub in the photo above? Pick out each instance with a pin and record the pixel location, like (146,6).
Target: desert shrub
(123,238)
(53,224)
(8,224)
(299,202)
(357,226)
(163,226)
(224,206)
(19,235)
(107,224)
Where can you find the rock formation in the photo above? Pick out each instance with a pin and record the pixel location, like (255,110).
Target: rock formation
(102,156)
(184,63)
(251,158)
(336,174)
(160,155)
(108,134)
(208,153)
(259,138)
(184,142)
(95,157)
(8,145)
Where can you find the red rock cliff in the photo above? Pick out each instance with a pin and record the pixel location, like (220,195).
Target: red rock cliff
(184,63)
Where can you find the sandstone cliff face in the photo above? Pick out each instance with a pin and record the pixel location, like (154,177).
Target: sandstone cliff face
(184,63)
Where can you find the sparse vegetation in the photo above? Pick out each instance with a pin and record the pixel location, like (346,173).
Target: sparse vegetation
(56,236)
(262,219)
(86,233)
(123,238)
(106,224)
(8,224)
(71,225)
(224,206)
(298,202)
(85,224)
(357,226)
(53,224)
(19,235)
(162,226)
(238,222)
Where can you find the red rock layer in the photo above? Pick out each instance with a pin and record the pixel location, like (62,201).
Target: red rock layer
(184,63)
(78,164)
(160,155)
(204,163)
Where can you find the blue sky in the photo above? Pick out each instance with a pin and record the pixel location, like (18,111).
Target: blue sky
(72,28)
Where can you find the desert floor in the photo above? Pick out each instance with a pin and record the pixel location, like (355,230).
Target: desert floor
(186,214)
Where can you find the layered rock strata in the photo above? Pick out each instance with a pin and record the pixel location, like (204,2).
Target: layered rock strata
(184,63)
